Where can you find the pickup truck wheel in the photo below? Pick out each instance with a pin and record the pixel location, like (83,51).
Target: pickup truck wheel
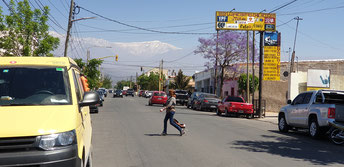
(314,130)
(249,116)
(282,124)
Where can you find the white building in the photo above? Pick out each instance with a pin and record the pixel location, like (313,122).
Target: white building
(204,81)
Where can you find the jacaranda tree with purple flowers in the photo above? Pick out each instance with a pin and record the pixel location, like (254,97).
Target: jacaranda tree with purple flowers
(231,51)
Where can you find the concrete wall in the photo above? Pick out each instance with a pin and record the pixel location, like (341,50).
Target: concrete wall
(227,87)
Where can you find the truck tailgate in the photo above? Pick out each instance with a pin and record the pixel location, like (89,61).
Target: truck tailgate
(241,106)
(339,113)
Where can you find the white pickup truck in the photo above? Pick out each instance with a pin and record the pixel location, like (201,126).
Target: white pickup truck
(312,110)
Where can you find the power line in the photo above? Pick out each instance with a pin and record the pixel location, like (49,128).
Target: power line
(140,28)
(189,54)
(311,11)
(57,9)
(283,6)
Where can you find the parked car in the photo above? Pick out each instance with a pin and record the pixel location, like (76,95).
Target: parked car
(44,112)
(181,97)
(148,94)
(130,92)
(95,108)
(124,92)
(141,93)
(192,98)
(104,91)
(235,105)
(118,93)
(110,91)
(312,110)
(158,97)
(207,102)
(101,97)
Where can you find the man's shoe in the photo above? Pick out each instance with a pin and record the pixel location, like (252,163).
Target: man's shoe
(182,132)
(163,134)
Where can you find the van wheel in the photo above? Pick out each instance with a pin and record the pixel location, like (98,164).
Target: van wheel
(314,130)
(282,124)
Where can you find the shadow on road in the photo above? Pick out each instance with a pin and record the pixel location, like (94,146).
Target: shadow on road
(295,145)
(154,134)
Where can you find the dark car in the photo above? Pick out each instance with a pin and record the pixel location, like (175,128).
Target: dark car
(103,90)
(117,93)
(94,108)
(192,99)
(130,92)
(181,97)
(206,101)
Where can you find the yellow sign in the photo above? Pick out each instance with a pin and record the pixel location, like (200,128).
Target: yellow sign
(272,62)
(315,88)
(245,21)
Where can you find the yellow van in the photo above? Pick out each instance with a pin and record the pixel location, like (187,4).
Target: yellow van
(44,113)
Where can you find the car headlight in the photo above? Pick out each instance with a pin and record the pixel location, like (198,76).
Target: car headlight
(53,141)
(120,94)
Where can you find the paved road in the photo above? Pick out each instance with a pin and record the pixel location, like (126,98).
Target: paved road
(126,134)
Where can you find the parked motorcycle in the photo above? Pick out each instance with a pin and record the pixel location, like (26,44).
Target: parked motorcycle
(337,132)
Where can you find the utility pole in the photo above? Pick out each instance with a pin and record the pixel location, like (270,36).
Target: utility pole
(293,55)
(69,26)
(216,59)
(162,74)
(260,86)
(248,78)
(253,57)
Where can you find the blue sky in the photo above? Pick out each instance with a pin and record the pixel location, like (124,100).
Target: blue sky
(320,33)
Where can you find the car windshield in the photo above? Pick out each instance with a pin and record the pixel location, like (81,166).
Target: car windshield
(34,86)
(159,94)
(234,99)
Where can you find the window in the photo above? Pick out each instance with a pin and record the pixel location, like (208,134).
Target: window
(234,99)
(34,86)
(78,87)
(307,98)
(299,99)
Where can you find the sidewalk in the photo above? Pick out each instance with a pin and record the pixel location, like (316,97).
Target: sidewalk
(270,117)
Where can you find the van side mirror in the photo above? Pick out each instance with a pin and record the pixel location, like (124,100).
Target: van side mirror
(90,98)
(289,102)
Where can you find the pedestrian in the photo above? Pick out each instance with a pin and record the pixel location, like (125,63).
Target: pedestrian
(170,111)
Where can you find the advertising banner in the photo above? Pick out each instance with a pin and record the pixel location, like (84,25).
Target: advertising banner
(318,78)
(245,21)
(272,57)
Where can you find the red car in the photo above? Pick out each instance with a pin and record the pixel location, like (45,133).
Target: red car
(141,93)
(158,97)
(234,105)
(124,92)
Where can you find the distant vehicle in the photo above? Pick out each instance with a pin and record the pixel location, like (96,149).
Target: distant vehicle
(206,101)
(192,98)
(125,87)
(130,92)
(94,108)
(158,97)
(124,92)
(118,93)
(148,94)
(181,97)
(101,96)
(234,105)
(141,93)
(103,90)
(110,91)
(312,110)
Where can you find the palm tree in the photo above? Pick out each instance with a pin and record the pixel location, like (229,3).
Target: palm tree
(181,81)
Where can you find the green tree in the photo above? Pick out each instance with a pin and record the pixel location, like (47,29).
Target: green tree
(243,80)
(181,81)
(107,82)
(91,71)
(25,31)
(122,83)
(150,82)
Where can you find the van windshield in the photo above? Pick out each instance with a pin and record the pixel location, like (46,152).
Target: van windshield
(34,86)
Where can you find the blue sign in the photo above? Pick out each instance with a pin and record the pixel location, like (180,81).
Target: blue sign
(222,18)
(271,39)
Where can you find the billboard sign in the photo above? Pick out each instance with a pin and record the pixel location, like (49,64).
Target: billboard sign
(318,78)
(272,56)
(245,21)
